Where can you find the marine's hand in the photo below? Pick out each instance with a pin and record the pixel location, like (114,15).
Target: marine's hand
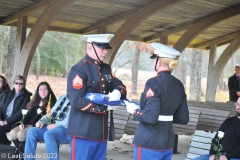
(131,107)
(115,95)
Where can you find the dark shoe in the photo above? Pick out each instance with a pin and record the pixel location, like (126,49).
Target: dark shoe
(20,156)
(17,145)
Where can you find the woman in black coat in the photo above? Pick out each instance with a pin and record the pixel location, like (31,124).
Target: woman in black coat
(4,87)
(36,108)
(11,107)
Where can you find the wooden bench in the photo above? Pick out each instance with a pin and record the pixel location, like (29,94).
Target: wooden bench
(210,118)
(120,118)
(226,106)
(200,144)
(179,129)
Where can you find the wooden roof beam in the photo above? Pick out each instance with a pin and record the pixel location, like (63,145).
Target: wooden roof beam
(25,12)
(203,24)
(133,21)
(223,40)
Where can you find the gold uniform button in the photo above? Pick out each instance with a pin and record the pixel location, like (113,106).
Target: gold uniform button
(100,73)
(104,91)
(93,109)
(98,110)
(103,85)
(102,79)
(109,81)
(104,111)
(95,62)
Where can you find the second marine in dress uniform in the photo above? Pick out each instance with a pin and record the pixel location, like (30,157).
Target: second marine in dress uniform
(162,103)
(88,122)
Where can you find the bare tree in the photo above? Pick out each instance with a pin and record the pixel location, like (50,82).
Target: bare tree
(195,79)
(135,67)
(11,53)
(181,71)
(38,64)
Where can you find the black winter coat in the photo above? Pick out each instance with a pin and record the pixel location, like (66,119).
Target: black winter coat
(32,116)
(20,103)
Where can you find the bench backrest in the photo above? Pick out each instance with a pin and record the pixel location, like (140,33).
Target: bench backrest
(226,106)
(210,118)
(200,144)
(190,127)
(179,129)
(120,118)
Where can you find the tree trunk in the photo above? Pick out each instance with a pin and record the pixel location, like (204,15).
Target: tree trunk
(38,64)
(11,53)
(1,48)
(195,78)
(135,67)
(181,71)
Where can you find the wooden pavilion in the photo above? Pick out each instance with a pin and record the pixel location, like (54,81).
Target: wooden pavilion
(203,24)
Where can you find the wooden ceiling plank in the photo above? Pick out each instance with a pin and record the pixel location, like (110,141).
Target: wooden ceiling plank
(25,12)
(110,21)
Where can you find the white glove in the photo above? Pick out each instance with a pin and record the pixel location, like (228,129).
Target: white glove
(131,107)
(114,96)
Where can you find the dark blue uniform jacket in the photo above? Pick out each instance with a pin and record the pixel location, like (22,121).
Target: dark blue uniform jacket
(89,120)
(163,95)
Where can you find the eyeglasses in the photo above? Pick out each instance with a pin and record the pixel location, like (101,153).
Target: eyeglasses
(18,83)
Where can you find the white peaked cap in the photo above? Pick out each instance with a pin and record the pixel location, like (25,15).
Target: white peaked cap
(165,51)
(99,38)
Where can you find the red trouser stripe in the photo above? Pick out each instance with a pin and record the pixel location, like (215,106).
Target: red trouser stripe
(73,147)
(139,152)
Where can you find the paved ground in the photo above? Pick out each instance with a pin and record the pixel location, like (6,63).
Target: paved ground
(122,150)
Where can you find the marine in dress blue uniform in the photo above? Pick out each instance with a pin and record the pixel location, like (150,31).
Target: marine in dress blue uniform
(88,122)
(162,103)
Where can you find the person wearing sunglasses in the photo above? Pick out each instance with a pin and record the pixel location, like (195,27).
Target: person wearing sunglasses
(162,103)
(53,133)
(11,107)
(36,109)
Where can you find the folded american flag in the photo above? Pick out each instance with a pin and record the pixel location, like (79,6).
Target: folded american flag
(103,99)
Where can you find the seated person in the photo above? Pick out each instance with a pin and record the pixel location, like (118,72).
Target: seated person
(230,140)
(52,130)
(4,87)
(38,102)
(11,107)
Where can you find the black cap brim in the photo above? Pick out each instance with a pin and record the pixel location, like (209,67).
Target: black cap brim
(102,45)
(153,56)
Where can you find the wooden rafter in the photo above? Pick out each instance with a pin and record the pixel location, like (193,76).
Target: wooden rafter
(133,21)
(223,39)
(203,24)
(23,63)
